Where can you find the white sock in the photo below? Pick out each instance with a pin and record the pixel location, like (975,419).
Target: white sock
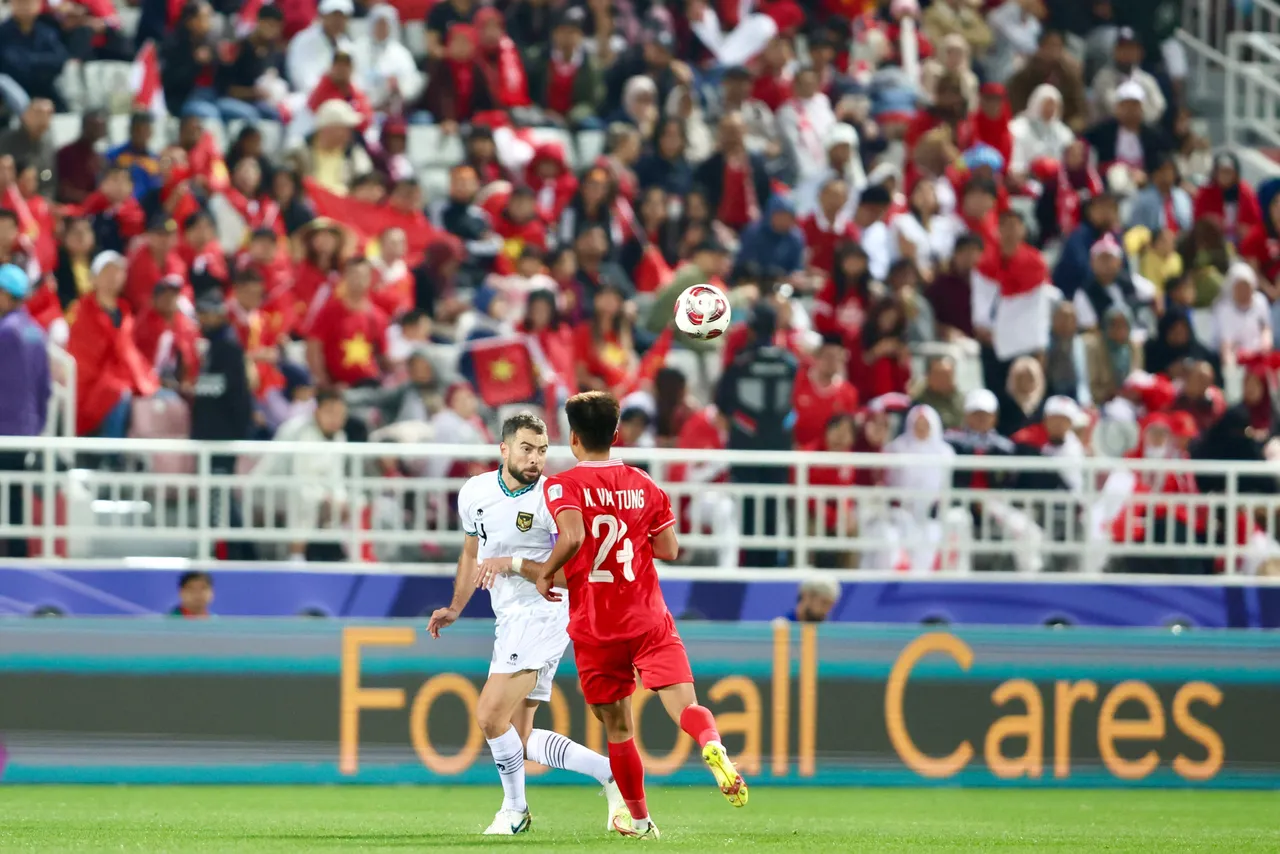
(555,751)
(508,755)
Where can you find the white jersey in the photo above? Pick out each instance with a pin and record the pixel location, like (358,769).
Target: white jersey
(514,524)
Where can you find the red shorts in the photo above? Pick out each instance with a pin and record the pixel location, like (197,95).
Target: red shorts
(607,671)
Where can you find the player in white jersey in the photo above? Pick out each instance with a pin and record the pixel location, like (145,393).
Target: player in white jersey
(503,512)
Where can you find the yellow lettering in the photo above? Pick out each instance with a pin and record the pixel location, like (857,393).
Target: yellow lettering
(354,698)
(746,722)
(445,683)
(1065,696)
(1029,726)
(808,746)
(781,725)
(1197,730)
(895,691)
(1111,730)
(679,751)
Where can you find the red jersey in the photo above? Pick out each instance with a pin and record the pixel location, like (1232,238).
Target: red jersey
(613,587)
(816,405)
(352,340)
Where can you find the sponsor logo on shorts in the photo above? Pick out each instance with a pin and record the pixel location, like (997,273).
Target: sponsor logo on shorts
(524,521)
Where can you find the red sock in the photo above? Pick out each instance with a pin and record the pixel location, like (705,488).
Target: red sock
(628,773)
(700,724)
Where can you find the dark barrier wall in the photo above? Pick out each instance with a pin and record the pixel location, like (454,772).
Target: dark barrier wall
(310,702)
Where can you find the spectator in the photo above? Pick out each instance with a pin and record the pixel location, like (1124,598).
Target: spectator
(91,30)
(760,128)
(1110,285)
(816,600)
(417,399)
(1259,404)
(1128,149)
(734,180)
(1039,132)
(1054,436)
(592,207)
(821,392)
(500,59)
(1126,67)
(26,389)
(666,167)
(951,293)
(1024,396)
(310,52)
(992,119)
(1206,256)
(1065,368)
(1228,198)
(31,58)
(1015,27)
(1198,396)
(903,283)
(166,337)
(245,84)
(774,244)
(754,395)
(459,423)
(940,393)
(566,83)
(595,270)
(195,595)
(1241,316)
(957,17)
(110,371)
(441,20)
(1012,297)
(1111,354)
(806,121)
(190,61)
(346,344)
(922,234)
(1194,153)
(868,220)
(32,143)
(385,69)
(1163,205)
(1174,342)
(1051,65)
(950,110)
(954,57)
(136,156)
(886,360)
(457,87)
(1101,216)
(532,23)
(827,228)
(79,164)
(708,261)
(316,497)
(912,523)
(330,158)
(151,259)
(337,85)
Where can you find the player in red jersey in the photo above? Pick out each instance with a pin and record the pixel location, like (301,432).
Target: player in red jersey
(613,521)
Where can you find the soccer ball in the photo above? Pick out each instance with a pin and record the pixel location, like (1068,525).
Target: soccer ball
(702,311)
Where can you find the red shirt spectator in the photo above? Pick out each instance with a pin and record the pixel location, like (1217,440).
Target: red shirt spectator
(1229,198)
(841,305)
(552,181)
(337,85)
(821,393)
(500,59)
(150,260)
(772,86)
(201,251)
(554,337)
(166,337)
(991,121)
(829,226)
(347,340)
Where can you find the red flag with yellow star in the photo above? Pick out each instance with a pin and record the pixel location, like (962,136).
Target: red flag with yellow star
(504,370)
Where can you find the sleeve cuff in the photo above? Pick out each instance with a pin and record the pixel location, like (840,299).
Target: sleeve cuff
(658,529)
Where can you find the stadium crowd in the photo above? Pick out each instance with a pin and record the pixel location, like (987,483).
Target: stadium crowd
(1017,180)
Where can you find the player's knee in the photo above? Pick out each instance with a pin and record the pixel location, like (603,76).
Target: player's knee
(492,722)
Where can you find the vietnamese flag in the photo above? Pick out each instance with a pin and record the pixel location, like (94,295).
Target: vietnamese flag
(370,220)
(504,370)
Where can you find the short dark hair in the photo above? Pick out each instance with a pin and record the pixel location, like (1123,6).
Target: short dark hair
(593,418)
(969,240)
(270,12)
(194,575)
(5,213)
(522,421)
(328,394)
(247,276)
(195,219)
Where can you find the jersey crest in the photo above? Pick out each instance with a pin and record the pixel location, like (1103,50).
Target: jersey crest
(524,521)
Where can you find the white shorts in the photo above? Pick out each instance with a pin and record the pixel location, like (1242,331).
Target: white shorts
(538,644)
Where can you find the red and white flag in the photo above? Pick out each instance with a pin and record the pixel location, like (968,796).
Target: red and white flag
(144,80)
(1014,297)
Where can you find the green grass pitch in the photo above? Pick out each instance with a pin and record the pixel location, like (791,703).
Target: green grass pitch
(433,819)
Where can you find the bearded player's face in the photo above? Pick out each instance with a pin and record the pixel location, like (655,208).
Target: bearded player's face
(525,455)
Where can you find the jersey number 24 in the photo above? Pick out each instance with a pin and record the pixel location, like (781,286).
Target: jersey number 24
(608,532)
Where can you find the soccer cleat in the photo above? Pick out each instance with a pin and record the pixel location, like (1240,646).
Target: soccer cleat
(727,777)
(624,825)
(509,823)
(616,805)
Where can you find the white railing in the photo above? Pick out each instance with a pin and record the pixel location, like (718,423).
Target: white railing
(1252,97)
(1206,27)
(61,420)
(160,504)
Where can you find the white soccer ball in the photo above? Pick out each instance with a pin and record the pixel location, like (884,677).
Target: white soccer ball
(702,311)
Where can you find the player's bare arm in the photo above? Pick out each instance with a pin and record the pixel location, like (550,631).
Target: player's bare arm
(665,545)
(462,588)
(549,574)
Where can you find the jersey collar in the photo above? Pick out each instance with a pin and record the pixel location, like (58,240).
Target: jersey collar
(507,492)
(612,461)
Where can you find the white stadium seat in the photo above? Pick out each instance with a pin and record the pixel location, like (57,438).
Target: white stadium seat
(107,86)
(415,38)
(65,129)
(429,147)
(590,145)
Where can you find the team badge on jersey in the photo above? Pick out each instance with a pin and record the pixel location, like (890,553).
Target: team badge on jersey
(524,521)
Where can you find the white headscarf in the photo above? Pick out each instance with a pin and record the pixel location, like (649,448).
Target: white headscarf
(928,480)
